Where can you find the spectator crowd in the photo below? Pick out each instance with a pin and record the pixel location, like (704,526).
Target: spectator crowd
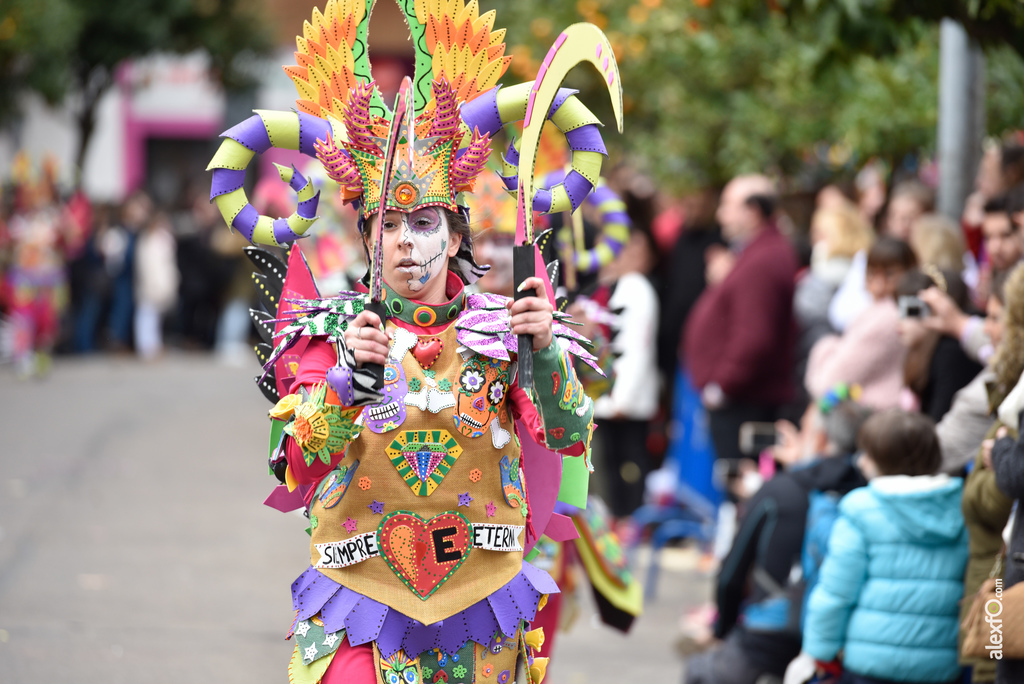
(876,535)
(82,278)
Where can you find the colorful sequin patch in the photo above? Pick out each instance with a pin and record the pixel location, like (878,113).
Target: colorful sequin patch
(573,397)
(512,484)
(423,458)
(424,553)
(453,668)
(399,669)
(334,486)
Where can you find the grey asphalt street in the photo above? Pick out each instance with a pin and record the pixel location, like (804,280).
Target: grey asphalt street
(134,546)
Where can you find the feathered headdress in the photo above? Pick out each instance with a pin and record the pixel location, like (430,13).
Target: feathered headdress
(437,157)
(443,145)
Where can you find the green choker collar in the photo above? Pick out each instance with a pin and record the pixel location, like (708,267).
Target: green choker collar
(423,315)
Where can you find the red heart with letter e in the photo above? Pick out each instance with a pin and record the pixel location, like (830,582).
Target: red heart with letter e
(424,553)
(427,351)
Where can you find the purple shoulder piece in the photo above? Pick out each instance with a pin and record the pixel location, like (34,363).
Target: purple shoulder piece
(485,328)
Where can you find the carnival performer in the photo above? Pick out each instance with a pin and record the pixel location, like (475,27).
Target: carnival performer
(41,233)
(404,413)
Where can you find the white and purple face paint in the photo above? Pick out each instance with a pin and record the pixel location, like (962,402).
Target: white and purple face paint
(426,232)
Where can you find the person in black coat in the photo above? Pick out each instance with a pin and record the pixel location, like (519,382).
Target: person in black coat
(937,367)
(681,279)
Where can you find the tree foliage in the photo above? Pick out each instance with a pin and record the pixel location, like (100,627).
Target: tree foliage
(875,26)
(35,50)
(61,47)
(718,88)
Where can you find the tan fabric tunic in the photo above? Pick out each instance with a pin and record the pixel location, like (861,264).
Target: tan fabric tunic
(428,568)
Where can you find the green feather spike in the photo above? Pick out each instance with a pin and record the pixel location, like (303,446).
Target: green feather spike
(424,73)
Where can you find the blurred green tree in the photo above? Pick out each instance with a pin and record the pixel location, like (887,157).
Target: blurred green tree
(875,26)
(61,48)
(35,45)
(713,89)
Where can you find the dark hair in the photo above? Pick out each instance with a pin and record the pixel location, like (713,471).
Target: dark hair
(915,281)
(996,205)
(1015,201)
(762,204)
(458,222)
(1011,163)
(901,443)
(889,252)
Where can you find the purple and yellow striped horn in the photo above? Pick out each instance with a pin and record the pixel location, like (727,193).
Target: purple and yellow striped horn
(254,136)
(501,106)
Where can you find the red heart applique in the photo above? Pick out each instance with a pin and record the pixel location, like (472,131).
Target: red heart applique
(424,553)
(427,351)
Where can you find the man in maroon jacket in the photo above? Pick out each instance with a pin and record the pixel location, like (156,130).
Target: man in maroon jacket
(739,338)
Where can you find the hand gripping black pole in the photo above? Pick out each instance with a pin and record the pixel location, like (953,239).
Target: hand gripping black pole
(376,368)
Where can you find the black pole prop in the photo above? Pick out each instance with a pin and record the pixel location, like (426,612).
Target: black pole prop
(376,368)
(523,265)
(376,305)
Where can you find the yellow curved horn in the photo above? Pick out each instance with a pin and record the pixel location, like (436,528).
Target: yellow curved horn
(578,43)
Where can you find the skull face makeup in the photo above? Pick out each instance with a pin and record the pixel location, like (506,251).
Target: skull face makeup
(482,388)
(419,244)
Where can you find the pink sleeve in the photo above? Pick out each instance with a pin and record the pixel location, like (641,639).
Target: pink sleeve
(819,370)
(862,355)
(523,409)
(318,358)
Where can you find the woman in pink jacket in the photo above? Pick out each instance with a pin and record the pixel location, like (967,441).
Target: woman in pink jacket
(869,353)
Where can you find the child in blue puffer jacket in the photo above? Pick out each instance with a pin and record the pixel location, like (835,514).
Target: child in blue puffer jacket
(886,602)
